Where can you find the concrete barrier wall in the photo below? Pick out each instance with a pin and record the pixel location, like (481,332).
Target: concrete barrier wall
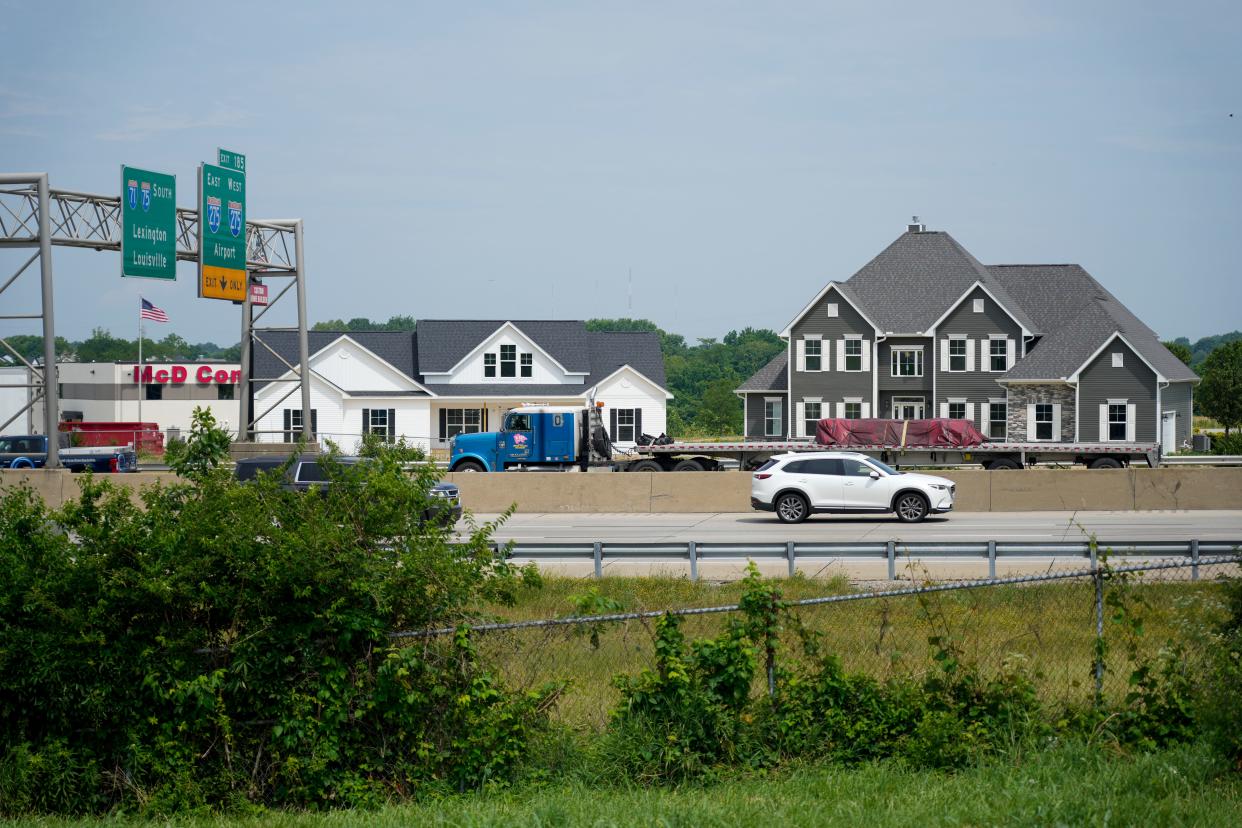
(1031,490)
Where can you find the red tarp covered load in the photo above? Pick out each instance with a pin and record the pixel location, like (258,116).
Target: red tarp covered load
(908,433)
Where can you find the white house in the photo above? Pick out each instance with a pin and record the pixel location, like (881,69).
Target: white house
(457,376)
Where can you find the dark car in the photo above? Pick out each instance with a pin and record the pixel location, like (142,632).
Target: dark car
(305,473)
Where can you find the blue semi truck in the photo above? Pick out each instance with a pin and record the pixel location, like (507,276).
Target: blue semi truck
(29,451)
(548,437)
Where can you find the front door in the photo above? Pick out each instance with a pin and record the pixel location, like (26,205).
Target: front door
(907,408)
(517,437)
(859,490)
(1168,432)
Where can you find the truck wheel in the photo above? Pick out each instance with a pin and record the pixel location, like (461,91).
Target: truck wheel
(911,507)
(689,465)
(22,463)
(646,466)
(792,508)
(1002,464)
(468,466)
(1105,463)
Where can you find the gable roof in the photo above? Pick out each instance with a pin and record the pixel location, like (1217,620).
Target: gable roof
(917,278)
(772,377)
(1080,314)
(845,294)
(443,343)
(597,353)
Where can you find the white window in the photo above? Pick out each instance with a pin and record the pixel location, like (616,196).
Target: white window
(454,421)
(832,309)
(853,355)
(957,355)
(853,411)
(1043,421)
(1119,359)
(489,365)
(1117,422)
(957,410)
(773,417)
(528,362)
(907,362)
(997,420)
(810,412)
(293,424)
(381,421)
(813,359)
(978,305)
(625,425)
(508,360)
(998,354)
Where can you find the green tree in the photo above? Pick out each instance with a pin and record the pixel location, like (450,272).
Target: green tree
(206,447)
(720,411)
(1180,350)
(1219,396)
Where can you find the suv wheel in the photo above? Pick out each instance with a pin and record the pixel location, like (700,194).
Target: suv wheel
(792,508)
(911,507)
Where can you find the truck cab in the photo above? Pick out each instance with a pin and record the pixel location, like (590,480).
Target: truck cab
(530,436)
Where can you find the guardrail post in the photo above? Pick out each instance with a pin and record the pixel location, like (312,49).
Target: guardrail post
(892,561)
(1194,560)
(992,559)
(694,561)
(790,555)
(599,560)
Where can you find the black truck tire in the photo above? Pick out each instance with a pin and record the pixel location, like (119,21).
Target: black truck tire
(646,466)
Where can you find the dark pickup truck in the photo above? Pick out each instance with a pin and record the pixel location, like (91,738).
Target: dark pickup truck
(305,473)
(29,451)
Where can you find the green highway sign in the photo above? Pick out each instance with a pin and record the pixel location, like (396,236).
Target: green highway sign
(221,233)
(231,160)
(148,224)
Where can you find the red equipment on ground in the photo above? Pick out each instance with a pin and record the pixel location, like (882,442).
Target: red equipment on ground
(937,433)
(143,436)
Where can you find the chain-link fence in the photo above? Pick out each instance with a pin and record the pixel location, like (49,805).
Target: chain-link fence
(1077,633)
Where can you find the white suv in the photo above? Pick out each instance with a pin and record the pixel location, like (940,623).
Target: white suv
(845,482)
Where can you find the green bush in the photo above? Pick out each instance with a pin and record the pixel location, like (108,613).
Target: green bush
(1227,443)
(225,644)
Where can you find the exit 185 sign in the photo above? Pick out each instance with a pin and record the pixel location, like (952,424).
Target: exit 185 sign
(221,233)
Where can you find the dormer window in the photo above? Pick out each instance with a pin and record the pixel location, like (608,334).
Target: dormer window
(508,360)
(528,364)
(489,365)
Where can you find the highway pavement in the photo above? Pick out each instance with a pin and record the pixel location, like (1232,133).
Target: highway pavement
(967,526)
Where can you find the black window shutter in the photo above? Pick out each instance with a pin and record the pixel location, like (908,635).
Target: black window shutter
(612,432)
(366,421)
(288,436)
(315,423)
(443,423)
(638,423)
(392,424)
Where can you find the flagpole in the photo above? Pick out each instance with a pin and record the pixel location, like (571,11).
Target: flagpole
(140,388)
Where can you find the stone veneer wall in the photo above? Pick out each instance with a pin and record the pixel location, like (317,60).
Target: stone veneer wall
(1020,396)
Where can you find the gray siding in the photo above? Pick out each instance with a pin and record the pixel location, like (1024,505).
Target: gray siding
(974,385)
(831,385)
(913,386)
(754,414)
(1100,381)
(1179,397)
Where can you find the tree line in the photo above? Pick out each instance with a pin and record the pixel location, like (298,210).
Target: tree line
(102,346)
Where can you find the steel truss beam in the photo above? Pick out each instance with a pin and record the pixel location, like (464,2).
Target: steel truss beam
(34,215)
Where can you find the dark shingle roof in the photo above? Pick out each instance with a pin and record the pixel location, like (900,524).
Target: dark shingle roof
(918,277)
(772,377)
(442,343)
(598,354)
(1080,315)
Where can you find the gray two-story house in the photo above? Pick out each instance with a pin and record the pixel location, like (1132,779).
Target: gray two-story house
(1029,353)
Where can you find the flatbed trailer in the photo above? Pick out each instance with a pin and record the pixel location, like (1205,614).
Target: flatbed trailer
(694,456)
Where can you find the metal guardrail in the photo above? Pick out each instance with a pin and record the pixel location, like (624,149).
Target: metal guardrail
(1202,460)
(693,552)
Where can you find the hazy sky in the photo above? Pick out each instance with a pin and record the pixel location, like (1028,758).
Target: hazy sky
(519,160)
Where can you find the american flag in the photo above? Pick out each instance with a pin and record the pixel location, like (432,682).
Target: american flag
(151,312)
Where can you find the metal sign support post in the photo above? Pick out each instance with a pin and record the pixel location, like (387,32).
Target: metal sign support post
(244,402)
(21,229)
(303,336)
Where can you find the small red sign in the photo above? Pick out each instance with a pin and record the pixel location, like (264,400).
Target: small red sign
(258,293)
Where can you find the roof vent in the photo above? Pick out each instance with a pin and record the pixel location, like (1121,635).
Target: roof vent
(915,226)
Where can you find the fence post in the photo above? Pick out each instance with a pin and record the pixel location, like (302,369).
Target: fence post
(694,561)
(1194,559)
(1098,577)
(892,561)
(599,560)
(789,554)
(992,559)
